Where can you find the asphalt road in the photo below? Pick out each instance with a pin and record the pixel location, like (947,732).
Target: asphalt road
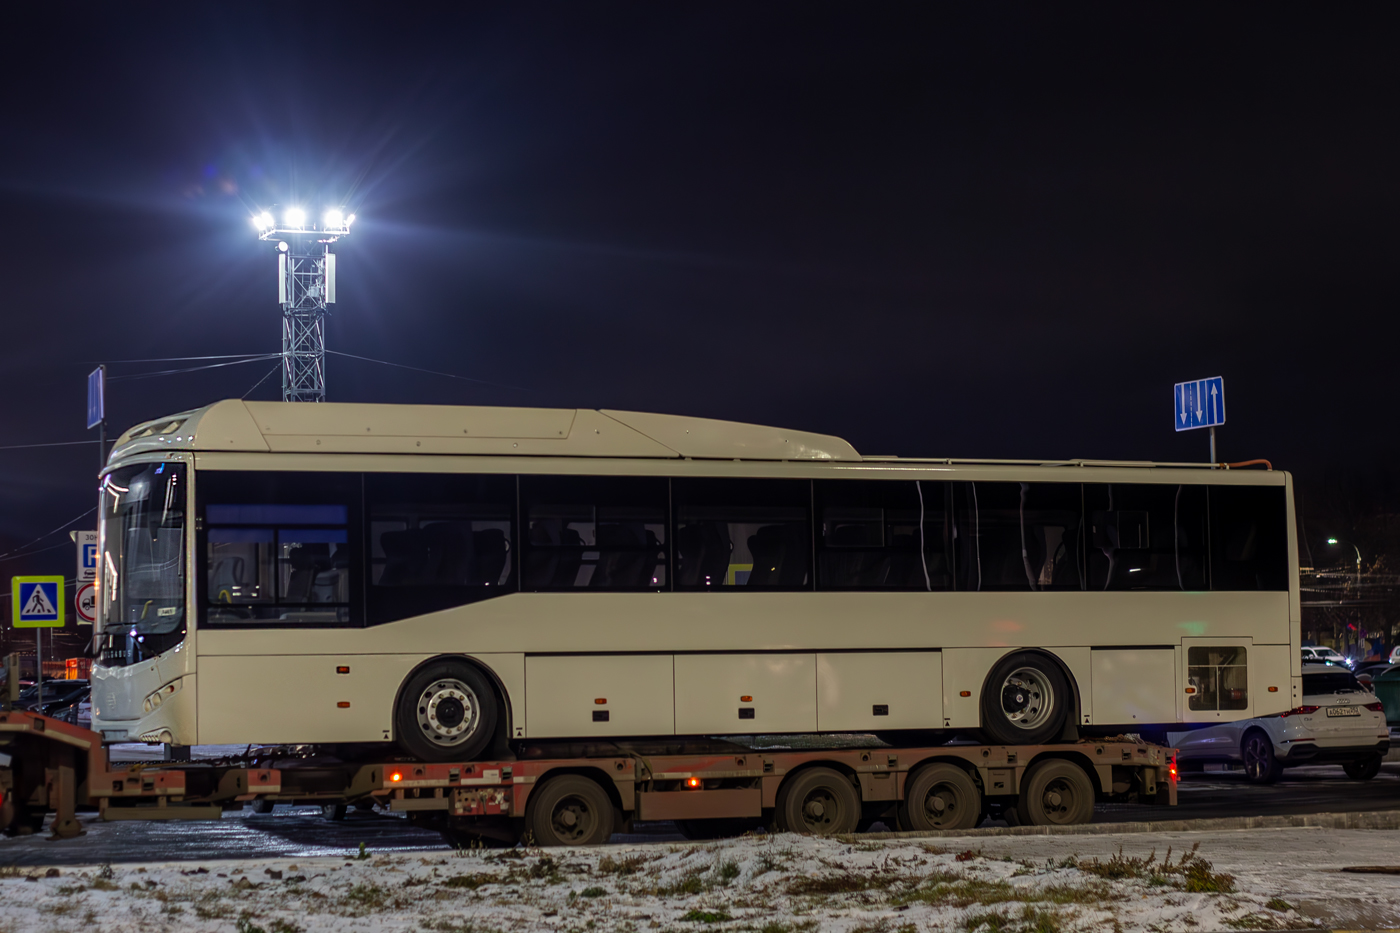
(301,832)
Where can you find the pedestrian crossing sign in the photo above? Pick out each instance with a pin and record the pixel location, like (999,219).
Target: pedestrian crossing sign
(38,602)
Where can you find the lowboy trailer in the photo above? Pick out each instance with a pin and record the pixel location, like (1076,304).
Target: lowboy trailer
(582,795)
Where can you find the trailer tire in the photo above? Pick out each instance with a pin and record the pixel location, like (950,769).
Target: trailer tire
(569,810)
(261,805)
(1055,792)
(1025,700)
(818,801)
(940,796)
(335,812)
(446,712)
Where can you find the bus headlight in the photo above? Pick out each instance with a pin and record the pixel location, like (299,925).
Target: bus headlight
(160,696)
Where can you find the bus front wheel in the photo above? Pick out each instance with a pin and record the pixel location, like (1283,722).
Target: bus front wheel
(1025,700)
(446,712)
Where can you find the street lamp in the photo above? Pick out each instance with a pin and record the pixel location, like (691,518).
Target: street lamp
(1336,541)
(305,286)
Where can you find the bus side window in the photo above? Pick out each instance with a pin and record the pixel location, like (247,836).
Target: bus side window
(1146,536)
(437,541)
(594,532)
(743,532)
(1020,536)
(870,536)
(1248,538)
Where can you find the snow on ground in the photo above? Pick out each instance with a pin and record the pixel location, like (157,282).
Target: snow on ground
(1259,880)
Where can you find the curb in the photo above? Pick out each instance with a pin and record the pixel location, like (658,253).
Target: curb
(1374,819)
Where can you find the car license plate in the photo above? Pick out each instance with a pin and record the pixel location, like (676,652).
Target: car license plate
(1343,711)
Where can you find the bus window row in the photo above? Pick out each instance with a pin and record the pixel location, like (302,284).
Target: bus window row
(368,548)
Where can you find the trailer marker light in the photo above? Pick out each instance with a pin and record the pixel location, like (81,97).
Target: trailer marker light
(342,670)
(396,777)
(1190,689)
(344,704)
(600,700)
(745,699)
(692,782)
(1273,689)
(965,693)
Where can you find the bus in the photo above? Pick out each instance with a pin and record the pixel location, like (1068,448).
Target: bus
(448,582)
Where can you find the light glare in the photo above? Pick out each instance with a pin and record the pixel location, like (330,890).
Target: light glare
(295,217)
(334,218)
(350,220)
(266,221)
(1331,540)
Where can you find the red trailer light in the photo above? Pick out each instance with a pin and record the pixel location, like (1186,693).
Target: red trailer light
(693,782)
(1299,710)
(396,777)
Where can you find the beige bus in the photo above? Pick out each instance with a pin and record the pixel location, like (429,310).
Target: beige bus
(455,579)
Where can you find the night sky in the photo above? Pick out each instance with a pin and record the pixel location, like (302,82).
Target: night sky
(963,229)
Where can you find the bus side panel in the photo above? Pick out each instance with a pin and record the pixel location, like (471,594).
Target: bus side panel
(297,699)
(1271,667)
(864,691)
(728,694)
(1134,686)
(563,694)
(964,670)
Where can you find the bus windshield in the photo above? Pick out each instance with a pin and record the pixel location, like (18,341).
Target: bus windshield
(143,572)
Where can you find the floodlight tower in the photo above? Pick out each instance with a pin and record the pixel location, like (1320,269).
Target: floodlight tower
(305,285)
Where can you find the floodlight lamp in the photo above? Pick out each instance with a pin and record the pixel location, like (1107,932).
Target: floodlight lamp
(265,221)
(1332,541)
(334,218)
(295,217)
(282,245)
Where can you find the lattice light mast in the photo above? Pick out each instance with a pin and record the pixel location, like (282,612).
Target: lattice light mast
(305,286)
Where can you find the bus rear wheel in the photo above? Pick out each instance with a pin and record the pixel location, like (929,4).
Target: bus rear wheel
(1025,700)
(446,712)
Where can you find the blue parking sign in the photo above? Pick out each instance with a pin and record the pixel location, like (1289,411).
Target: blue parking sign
(38,602)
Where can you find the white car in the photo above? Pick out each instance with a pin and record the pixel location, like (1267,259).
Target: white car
(1338,721)
(1395,655)
(1325,656)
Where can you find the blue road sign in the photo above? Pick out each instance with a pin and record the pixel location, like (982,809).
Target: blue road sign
(96,407)
(38,602)
(1200,404)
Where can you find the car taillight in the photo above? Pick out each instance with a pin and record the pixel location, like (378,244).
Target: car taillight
(1299,710)
(1375,707)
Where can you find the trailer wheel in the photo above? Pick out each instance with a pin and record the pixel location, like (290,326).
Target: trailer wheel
(569,810)
(941,796)
(1055,793)
(819,801)
(446,712)
(261,805)
(1025,700)
(335,812)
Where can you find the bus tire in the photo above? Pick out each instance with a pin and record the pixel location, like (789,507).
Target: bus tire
(1025,700)
(818,801)
(569,810)
(941,796)
(446,712)
(1055,792)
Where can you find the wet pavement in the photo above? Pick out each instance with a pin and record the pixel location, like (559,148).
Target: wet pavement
(302,832)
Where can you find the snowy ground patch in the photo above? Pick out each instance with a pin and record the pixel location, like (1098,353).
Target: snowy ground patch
(772,884)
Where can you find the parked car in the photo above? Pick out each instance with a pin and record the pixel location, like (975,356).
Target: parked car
(1368,672)
(1395,655)
(1326,656)
(58,695)
(1338,721)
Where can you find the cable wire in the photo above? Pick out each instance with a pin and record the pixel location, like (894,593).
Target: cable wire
(194,369)
(432,372)
(54,444)
(47,533)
